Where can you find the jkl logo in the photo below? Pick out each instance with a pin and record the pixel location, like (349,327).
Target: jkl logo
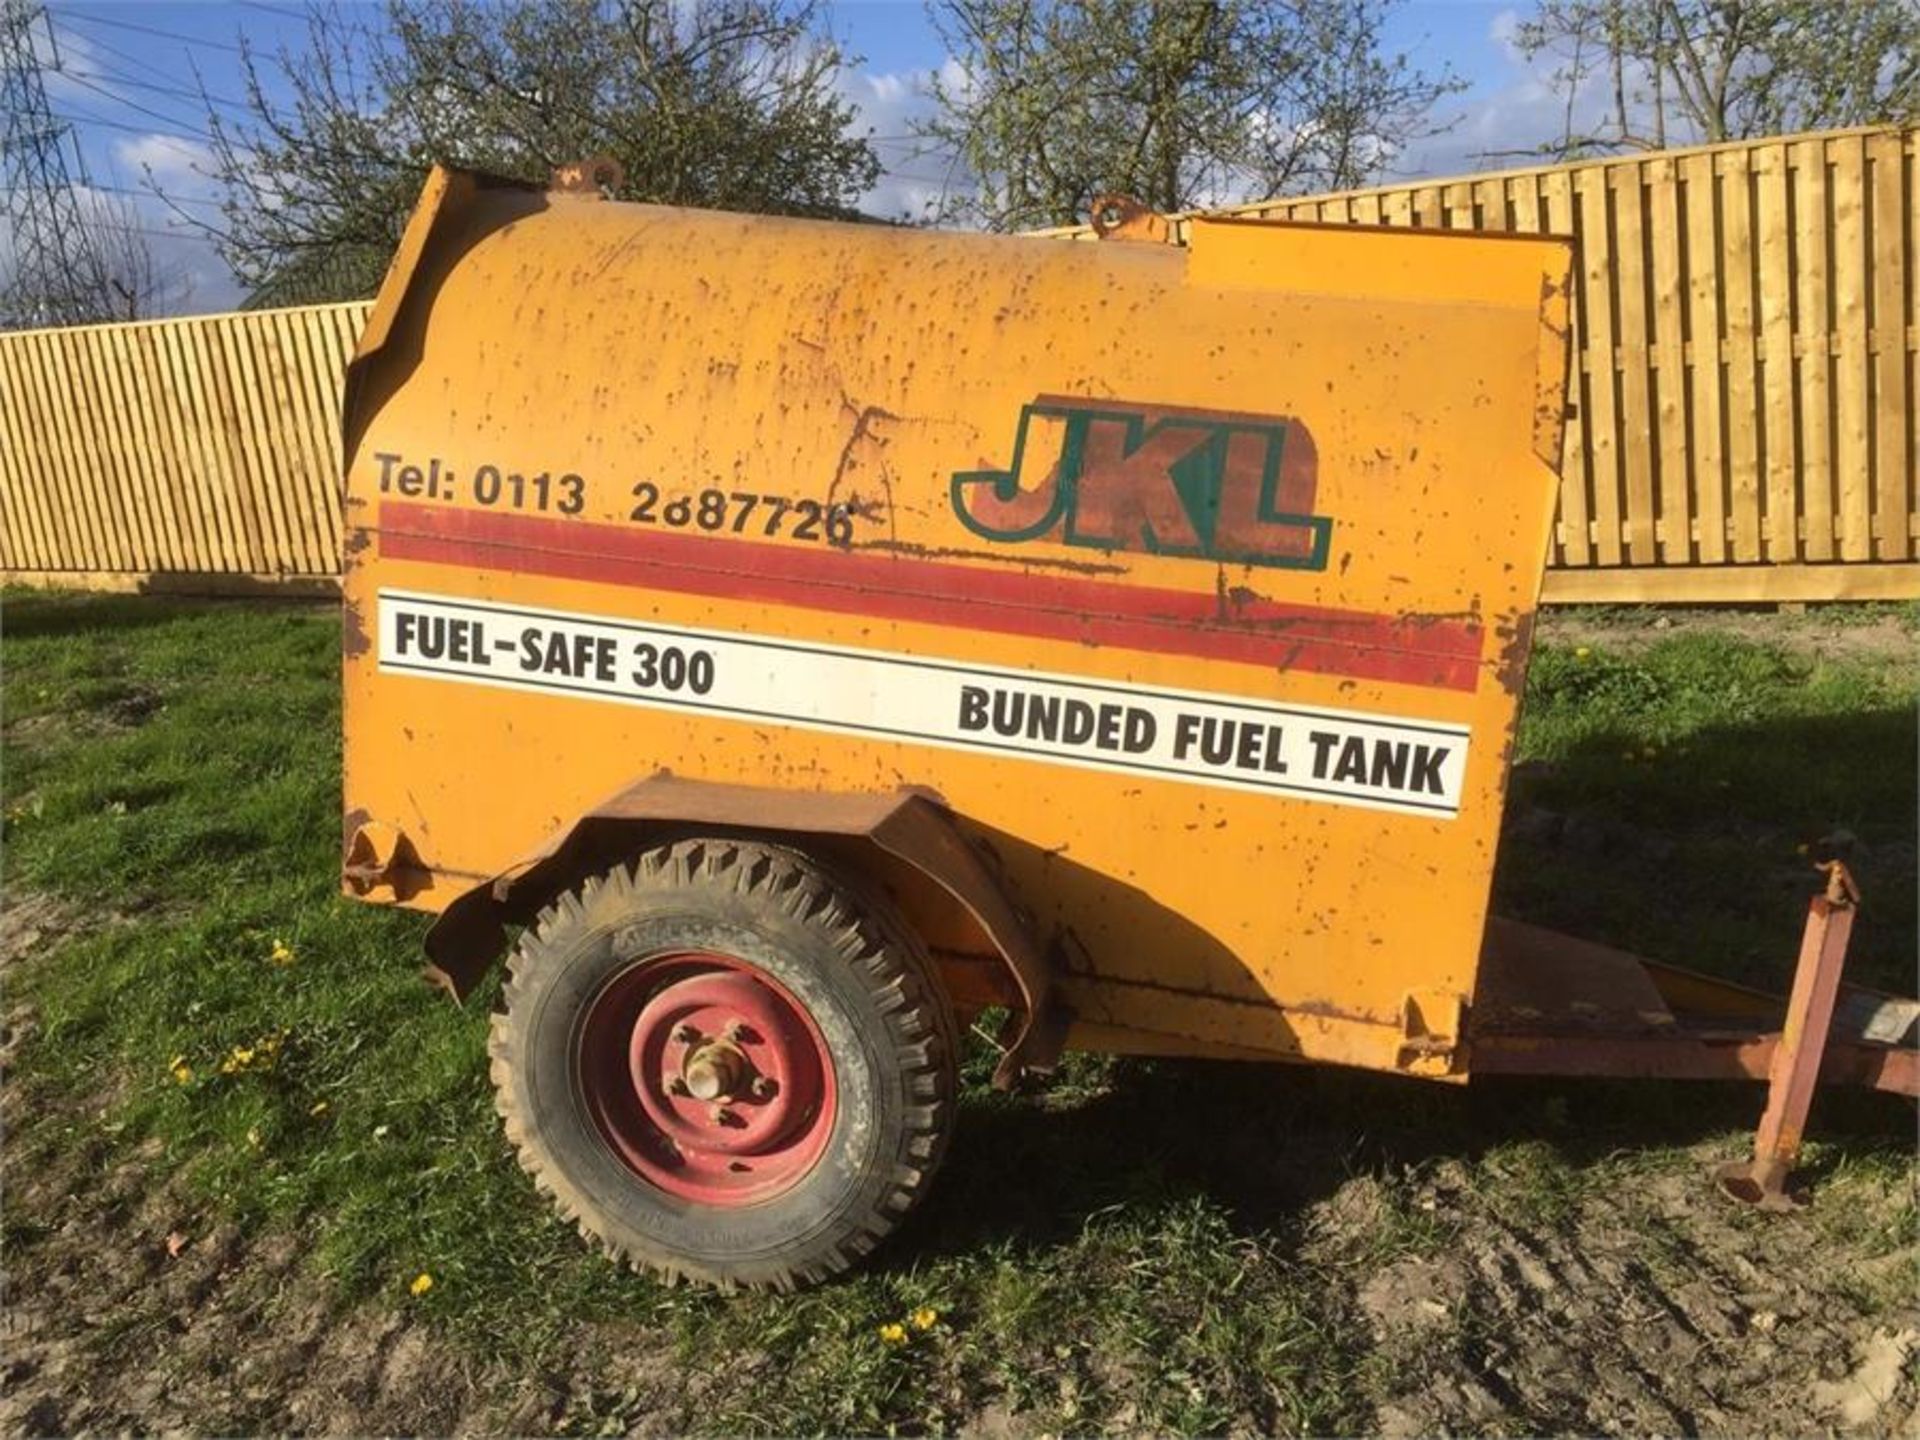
(1116,476)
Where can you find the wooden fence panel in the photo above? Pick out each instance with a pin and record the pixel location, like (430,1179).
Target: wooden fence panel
(176,448)
(1599,361)
(1674,530)
(1892,249)
(1743,393)
(1636,361)
(1851,355)
(1741,323)
(1813,324)
(1706,470)
(1775,290)
(1740,424)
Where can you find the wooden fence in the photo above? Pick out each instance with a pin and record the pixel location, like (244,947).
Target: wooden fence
(199,453)
(1743,398)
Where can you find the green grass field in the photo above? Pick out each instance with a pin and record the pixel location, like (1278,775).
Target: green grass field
(1142,1247)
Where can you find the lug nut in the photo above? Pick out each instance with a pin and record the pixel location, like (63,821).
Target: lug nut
(720,1114)
(685,1034)
(762,1088)
(677,1086)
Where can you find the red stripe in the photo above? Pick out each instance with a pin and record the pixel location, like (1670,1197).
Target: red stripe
(1354,643)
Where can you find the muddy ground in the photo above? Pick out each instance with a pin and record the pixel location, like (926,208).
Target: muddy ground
(1646,1306)
(1882,634)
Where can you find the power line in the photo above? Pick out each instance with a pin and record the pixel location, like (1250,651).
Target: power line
(186,230)
(129,104)
(150,30)
(115,78)
(82,118)
(95,187)
(274,9)
(129,190)
(94,42)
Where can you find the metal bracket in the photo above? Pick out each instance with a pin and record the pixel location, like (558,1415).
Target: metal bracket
(380,863)
(1431,1024)
(599,175)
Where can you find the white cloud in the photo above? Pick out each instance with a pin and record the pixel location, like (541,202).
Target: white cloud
(167,184)
(916,175)
(1505,34)
(173,163)
(1503,126)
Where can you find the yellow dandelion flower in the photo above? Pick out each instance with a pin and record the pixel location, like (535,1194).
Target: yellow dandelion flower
(253,1137)
(320,1107)
(422,1283)
(893,1333)
(1583,652)
(280,954)
(925,1318)
(183,1074)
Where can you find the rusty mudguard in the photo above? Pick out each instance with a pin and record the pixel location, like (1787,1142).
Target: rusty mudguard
(906,827)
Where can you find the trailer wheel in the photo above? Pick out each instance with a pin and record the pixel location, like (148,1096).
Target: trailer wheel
(724,1063)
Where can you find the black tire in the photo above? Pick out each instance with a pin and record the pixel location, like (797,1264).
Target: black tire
(865,982)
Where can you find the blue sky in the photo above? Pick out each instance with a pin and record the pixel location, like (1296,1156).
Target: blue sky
(128,77)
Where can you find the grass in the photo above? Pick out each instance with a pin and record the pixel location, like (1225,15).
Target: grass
(1145,1247)
(1668,796)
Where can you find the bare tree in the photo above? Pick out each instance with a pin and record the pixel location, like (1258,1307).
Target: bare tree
(722,103)
(1644,74)
(1177,104)
(136,284)
(112,271)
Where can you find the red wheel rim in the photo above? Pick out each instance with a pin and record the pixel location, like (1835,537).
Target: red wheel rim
(707,1078)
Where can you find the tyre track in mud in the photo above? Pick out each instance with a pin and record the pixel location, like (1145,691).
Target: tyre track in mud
(1623,1296)
(1653,1307)
(127,1311)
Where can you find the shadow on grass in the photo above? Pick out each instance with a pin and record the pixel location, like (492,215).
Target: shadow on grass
(1267,1142)
(37,614)
(1692,857)
(1698,855)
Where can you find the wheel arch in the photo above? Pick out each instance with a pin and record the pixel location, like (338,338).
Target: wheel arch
(948,887)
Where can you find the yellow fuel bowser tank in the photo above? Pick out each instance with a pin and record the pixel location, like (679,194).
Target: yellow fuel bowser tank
(813,633)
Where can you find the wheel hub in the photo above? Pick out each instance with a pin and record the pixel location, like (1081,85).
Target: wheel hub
(713,1070)
(708,1078)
